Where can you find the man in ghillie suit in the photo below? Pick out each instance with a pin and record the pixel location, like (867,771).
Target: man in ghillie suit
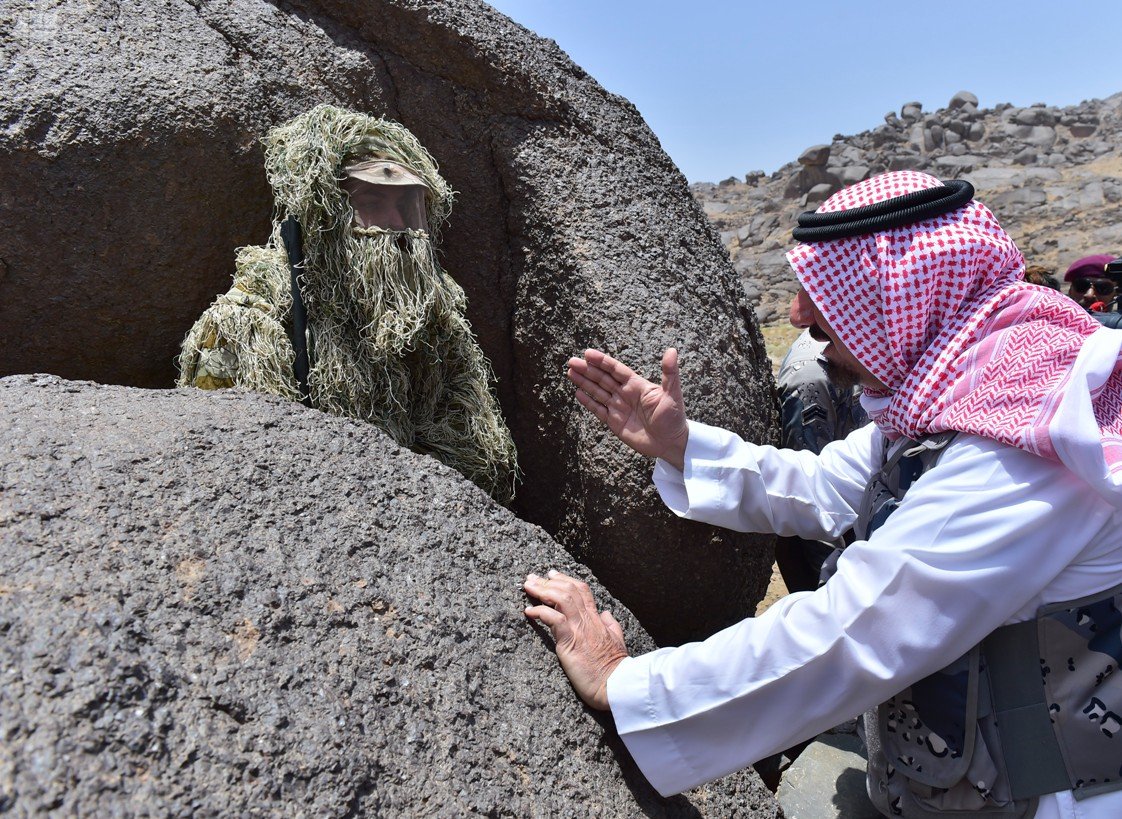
(386,339)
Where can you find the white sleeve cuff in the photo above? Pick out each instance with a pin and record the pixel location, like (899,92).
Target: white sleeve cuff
(653,749)
(671,485)
(705,489)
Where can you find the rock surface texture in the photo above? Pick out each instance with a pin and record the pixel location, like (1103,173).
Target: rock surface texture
(1053,177)
(226,604)
(136,128)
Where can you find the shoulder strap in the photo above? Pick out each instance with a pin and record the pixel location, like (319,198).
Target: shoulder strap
(1034,763)
(294,247)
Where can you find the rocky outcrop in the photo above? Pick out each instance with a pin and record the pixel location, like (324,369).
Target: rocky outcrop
(227,604)
(1053,176)
(132,171)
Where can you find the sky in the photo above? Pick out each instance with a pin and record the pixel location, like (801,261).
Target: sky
(731,87)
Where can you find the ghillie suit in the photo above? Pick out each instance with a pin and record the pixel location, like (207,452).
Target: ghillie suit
(387,340)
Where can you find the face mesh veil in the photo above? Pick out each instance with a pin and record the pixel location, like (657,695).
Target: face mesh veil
(388,339)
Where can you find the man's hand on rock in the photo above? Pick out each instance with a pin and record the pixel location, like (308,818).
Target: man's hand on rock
(589,642)
(650,418)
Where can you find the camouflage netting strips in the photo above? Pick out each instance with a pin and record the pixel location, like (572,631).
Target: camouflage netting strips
(388,339)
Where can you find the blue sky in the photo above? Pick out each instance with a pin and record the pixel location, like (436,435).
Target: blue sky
(731,87)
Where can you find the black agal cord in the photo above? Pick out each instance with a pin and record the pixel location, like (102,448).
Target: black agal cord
(891,213)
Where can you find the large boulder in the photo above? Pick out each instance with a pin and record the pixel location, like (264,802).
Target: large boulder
(132,170)
(227,604)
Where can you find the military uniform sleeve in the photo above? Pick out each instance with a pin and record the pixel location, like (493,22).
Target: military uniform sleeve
(975,543)
(241,339)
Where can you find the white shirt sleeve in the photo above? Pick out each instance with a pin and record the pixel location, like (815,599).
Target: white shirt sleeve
(730,483)
(978,541)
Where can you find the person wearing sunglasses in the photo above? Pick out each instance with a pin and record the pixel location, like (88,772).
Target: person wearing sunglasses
(1111,314)
(1089,285)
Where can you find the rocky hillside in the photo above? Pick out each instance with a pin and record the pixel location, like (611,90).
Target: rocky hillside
(1052,175)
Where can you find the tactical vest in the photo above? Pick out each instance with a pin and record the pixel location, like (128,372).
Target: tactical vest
(1029,711)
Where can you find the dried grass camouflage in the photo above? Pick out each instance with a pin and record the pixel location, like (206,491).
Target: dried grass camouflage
(388,339)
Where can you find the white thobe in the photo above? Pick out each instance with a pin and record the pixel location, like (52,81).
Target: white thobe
(983,538)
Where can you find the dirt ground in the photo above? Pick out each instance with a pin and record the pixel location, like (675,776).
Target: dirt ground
(778,339)
(775,590)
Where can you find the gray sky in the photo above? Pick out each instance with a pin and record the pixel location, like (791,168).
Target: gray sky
(731,87)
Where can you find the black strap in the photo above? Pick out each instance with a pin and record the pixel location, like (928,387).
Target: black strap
(294,247)
(1034,762)
(891,213)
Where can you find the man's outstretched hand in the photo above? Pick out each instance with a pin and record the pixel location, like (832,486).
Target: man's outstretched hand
(650,418)
(589,642)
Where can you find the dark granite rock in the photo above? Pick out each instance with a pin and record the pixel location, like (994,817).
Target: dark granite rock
(227,604)
(815,156)
(1036,115)
(136,126)
(906,162)
(961,100)
(818,194)
(809,177)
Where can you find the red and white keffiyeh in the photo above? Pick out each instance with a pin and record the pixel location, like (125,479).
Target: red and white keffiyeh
(937,311)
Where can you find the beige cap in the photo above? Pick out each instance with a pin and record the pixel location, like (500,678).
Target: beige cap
(383,172)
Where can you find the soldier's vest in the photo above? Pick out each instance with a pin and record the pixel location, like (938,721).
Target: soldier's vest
(1028,711)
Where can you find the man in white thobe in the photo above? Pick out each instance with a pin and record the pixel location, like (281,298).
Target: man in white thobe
(1021,508)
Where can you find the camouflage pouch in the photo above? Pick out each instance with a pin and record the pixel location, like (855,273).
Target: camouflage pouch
(933,749)
(1036,709)
(1072,723)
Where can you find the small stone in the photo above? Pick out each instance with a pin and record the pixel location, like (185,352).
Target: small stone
(827,781)
(882,135)
(815,155)
(1034,116)
(1020,198)
(957,127)
(962,98)
(1041,136)
(819,194)
(851,174)
(905,162)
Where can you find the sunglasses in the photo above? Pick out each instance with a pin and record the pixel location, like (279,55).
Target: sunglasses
(1102,287)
